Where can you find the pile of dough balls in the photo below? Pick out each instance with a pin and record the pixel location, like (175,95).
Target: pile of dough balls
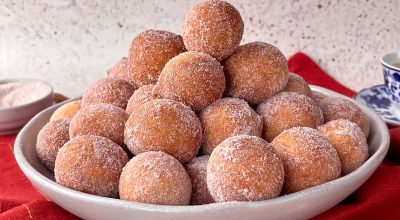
(197,119)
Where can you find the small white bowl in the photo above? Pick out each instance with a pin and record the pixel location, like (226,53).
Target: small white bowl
(301,205)
(12,119)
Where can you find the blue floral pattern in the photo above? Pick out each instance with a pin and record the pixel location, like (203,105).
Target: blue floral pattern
(392,82)
(377,98)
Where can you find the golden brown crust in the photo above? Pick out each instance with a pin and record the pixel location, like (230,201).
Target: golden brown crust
(155,178)
(225,118)
(50,139)
(286,110)
(214,27)
(297,84)
(108,91)
(255,71)
(68,110)
(100,119)
(140,96)
(308,158)
(338,108)
(164,125)
(149,52)
(90,164)
(244,168)
(349,141)
(194,78)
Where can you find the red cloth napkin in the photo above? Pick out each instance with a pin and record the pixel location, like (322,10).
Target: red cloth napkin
(379,197)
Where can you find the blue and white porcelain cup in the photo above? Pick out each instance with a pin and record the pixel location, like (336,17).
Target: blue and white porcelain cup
(391,73)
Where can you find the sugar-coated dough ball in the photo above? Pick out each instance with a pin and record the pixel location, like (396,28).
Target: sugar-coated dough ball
(68,110)
(110,91)
(194,78)
(90,164)
(349,141)
(164,125)
(340,108)
(197,170)
(100,119)
(244,168)
(297,84)
(256,71)
(308,157)
(286,110)
(50,139)
(142,95)
(149,52)
(155,178)
(318,97)
(225,118)
(121,71)
(214,27)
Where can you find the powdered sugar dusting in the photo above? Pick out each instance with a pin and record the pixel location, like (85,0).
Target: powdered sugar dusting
(156,178)
(225,118)
(339,108)
(194,78)
(50,139)
(164,125)
(121,71)
(100,119)
(286,110)
(349,142)
(110,91)
(197,170)
(244,168)
(91,164)
(297,84)
(308,157)
(142,95)
(214,27)
(149,52)
(256,71)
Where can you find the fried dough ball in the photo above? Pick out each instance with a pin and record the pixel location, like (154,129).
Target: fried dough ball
(256,71)
(339,108)
(197,170)
(244,168)
(225,118)
(149,52)
(68,110)
(286,110)
(297,84)
(194,78)
(142,95)
(318,97)
(308,158)
(50,139)
(164,125)
(213,27)
(110,91)
(349,141)
(155,178)
(100,119)
(90,164)
(121,71)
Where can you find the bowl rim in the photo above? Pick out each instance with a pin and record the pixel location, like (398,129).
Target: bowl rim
(30,171)
(13,108)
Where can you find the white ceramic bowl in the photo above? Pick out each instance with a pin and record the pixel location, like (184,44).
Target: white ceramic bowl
(12,119)
(300,205)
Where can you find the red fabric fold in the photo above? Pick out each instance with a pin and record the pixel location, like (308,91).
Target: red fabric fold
(378,198)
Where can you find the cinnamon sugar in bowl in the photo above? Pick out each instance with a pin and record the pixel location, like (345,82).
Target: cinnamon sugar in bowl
(20,100)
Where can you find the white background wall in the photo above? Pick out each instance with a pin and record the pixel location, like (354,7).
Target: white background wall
(71,43)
